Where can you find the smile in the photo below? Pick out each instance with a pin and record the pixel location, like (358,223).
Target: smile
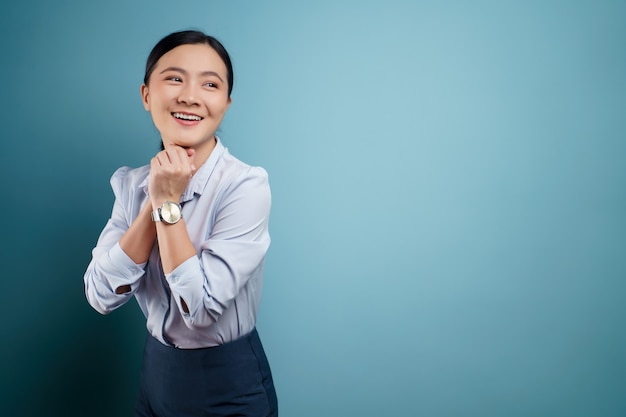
(184,116)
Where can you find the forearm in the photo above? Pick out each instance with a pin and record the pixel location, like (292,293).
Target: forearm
(170,172)
(175,247)
(138,240)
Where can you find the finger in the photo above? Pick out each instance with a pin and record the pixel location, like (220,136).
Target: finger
(178,157)
(170,153)
(191,153)
(162,157)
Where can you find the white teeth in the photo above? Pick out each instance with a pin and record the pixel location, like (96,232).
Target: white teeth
(187,116)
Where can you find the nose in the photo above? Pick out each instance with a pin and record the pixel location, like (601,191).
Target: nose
(188,95)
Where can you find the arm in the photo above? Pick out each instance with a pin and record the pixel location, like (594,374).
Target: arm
(138,240)
(170,172)
(113,274)
(205,280)
(233,255)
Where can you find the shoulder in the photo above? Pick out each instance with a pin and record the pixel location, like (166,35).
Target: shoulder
(242,188)
(127,178)
(237,171)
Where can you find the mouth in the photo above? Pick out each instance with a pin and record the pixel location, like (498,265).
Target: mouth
(187,117)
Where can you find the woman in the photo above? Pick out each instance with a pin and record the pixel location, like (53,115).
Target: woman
(187,239)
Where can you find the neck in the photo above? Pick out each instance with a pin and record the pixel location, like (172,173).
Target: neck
(204,151)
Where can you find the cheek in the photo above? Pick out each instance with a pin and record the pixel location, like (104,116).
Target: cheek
(161,120)
(158,96)
(159,115)
(220,105)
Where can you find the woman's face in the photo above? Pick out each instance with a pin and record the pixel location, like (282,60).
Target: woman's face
(187,96)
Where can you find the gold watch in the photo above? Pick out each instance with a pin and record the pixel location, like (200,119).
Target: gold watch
(169,213)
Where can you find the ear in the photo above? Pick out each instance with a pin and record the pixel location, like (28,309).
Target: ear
(145,97)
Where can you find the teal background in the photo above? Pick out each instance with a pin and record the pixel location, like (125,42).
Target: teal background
(449,200)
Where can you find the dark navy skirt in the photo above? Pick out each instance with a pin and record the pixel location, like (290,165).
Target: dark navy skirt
(233,379)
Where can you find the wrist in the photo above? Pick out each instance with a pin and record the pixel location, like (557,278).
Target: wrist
(146,210)
(159,201)
(169,212)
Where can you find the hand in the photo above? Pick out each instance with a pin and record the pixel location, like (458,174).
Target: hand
(170,172)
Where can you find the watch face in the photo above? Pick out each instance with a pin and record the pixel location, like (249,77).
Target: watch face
(170,212)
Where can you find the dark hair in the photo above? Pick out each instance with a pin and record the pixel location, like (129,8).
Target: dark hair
(188,37)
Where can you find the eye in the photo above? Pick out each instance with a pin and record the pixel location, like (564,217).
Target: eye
(174,78)
(210,84)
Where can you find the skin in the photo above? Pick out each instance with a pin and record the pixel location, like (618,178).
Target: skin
(189,81)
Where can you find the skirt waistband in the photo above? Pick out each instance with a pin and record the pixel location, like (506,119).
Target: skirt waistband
(227,349)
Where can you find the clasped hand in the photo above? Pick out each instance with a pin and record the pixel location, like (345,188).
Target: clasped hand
(170,172)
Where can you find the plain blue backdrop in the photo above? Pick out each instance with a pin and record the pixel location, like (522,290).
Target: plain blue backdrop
(449,200)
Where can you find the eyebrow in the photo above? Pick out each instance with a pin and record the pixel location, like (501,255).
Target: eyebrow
(184,72)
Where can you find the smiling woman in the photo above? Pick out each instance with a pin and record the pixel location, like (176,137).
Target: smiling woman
(187,96)
(187,239)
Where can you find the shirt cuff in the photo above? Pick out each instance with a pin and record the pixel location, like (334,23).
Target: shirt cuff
(128,271)
(183,281)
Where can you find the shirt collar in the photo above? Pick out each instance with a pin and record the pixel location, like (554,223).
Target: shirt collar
(200,179)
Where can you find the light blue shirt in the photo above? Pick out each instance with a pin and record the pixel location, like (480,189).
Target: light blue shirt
(226,208)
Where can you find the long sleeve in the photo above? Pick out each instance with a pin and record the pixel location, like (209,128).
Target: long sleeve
(110,267)
(214,295)
(233,253)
